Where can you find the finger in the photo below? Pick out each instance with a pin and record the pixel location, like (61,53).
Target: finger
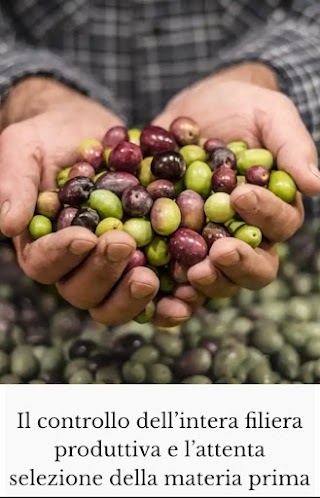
(293,147)
(20,178)
(210,281)
(246,267)
(164,119)
(258,206)
(91,283)
(129,298)
(49,258)
(171,312)
(190,295)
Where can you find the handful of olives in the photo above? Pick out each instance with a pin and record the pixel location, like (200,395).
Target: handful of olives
(170,190)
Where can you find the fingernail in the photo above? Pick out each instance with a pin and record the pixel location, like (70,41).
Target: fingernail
(246,202)
(229,259)
(4,209)
(140,290)
(116,253)
(81,247)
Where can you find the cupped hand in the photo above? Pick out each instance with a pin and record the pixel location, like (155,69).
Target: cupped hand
(88,271)
(240,110)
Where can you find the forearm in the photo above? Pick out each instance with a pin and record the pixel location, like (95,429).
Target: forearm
(255,73)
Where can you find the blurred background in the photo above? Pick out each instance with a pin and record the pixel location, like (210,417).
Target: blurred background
(260,337)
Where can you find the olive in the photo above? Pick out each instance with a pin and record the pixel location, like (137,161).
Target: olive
(218,207)
(145,355)
(191,153)
(212,232)
(158,373)
(147,314)
(140,230)
(82,168)
(116,181)
(257,175)
(114,136)
(81,349)
(91,151)
(250,234)
(51,359)
(168,165)
(165,216)
(157,252)
(87,218)
(198,178)
(82,376)
(134,372)
(267,339)
(125,156)
(187,247)
(168,344)
(48,204)
(107,225)
(193,362)
(76,191)
(97,360)
(65,217)
(197,379)
(62,176)
(237,147)
(161,188)
(39,226)
(213,143)
(221,156)
(282,185)
(312,348)
(108,375)
(4,363)
(23,362)
(185,130)
(106,203)
(75,365)
(224,179)
(136,201)
(134,135)
(125,346)
(154,139)
(137,259)
(252,157)
(145,174)
(191,205)
(288,362)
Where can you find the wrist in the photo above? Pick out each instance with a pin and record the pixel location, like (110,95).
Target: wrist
(251,72)
(33,96)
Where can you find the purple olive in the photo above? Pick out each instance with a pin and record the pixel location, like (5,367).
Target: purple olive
(91,151)
(115,136)
(161,188)
(125,156)
(185,130)
(168,165)
(214,231)
(87,218)
(116,181)
(136,201)
(191,206)
(187,247)
(257,175)
(178,272)
(212,144)
(65,217)
(82,168)
(76,191)
(224,179)
(154,139)
(221,157)
(137,259)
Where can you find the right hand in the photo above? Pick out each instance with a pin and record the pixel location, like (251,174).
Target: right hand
(35,144)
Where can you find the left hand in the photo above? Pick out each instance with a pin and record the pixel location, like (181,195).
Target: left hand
(244,104)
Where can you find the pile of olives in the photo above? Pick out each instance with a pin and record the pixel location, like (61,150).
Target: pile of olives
(170,190)
(256,337)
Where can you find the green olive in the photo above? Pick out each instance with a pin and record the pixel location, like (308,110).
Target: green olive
(140,230)
(134,135)
(218,207)
(157,252)
(250,234)
(251,157)
(62,176)
(198,178)
(237,147)
(107,225)
(191,153)
(134,372)
(106,203)
(282,185)
(158,373)
(39,226)
(145,175)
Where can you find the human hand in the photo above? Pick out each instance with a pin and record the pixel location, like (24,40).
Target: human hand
(44,123)
(243,104)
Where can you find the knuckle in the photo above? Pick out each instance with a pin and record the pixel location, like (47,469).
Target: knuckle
(72,297)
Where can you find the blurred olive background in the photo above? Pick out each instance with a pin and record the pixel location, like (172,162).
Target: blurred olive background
(269,336)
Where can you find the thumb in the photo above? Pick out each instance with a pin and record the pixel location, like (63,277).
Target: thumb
(20,178)
(285,135)
(164,119)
